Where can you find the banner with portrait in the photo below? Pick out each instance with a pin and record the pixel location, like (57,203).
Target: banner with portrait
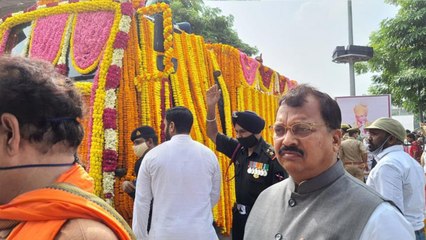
(361,111)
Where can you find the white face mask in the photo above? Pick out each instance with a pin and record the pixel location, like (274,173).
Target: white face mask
(140,149)
(380,148)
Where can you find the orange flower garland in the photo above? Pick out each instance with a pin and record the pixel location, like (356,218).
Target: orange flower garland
(85,89)
(128,120)
(145,92)
(150,73)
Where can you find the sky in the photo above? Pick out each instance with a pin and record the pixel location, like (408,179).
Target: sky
(297,37)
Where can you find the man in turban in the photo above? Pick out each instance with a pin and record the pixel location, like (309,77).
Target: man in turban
(397,176)
(254,159)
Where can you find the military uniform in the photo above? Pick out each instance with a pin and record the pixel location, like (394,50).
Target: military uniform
(253,174)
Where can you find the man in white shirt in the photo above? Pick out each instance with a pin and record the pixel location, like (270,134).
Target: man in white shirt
(183,176)
(397,176)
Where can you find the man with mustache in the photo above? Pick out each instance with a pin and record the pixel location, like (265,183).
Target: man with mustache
(319,200)
(397,176)
(253,159)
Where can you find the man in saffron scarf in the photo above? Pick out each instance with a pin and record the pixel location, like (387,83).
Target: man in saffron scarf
(45,193)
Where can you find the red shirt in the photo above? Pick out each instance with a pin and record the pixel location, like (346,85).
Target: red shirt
(415,151)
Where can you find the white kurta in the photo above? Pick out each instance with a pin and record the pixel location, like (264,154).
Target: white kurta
(183,178)
(400,178)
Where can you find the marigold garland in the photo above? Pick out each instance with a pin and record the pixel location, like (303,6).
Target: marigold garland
(113,76)
(181,73)
(128,90)
(61,66)
(149,72)
(128,119)
(85,88)
(223,210)
(4,39)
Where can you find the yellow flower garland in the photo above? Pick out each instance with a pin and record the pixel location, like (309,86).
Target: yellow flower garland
(147,71)
(85,88)
(227,199)
(96,148)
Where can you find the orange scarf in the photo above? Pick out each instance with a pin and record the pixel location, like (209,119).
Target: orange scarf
(42,212)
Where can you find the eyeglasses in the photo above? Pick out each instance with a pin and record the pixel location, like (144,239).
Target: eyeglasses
(299,129)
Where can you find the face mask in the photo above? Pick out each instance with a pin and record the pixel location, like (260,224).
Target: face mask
(249,141)
(379,149)
(140,149)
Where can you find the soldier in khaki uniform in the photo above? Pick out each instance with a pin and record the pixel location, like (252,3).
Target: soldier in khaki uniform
(352,151)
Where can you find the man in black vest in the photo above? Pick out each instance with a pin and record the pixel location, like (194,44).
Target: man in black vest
(253,158)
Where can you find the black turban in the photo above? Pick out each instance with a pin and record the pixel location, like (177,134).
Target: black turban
(248,120)
(142,132)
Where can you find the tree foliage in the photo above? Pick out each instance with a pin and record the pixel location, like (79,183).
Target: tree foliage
(399,62)
(209,23)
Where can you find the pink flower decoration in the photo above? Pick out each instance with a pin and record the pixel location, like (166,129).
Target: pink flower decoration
(121,40)
(7,16)
(249,66)
(113,77)
(266,74)
(32,8)
(109,162)
(90,36)
(127,8)
(282,82)
(4,41)
(47,37)
(62,69)
(52,4)
(110,118)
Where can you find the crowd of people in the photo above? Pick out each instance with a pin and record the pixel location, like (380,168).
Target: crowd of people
(300,187)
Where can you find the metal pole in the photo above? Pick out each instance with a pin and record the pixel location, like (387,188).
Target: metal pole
(351,41)
(352,78)
(351,38)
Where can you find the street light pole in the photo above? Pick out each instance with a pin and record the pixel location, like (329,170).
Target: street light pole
(352,53)
(351,40)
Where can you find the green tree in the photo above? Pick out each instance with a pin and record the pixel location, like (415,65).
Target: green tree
(399,62)
(209,23)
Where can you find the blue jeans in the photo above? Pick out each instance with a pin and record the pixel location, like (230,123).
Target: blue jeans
(420,234)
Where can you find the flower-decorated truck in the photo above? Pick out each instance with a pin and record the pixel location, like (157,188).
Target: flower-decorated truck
(108,48)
